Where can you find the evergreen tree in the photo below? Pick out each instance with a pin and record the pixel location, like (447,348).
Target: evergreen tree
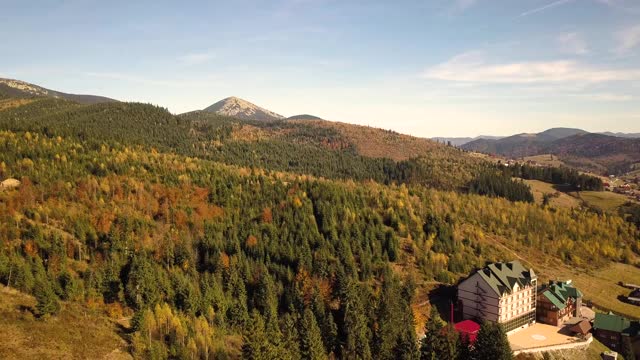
(492,343)
(465,348)
(290,336)
(434,343)
(256,343)
(452,341)
(356,329)
(47,301)
(311,346)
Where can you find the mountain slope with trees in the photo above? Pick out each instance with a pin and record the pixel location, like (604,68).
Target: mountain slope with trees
(219,237)
(19,89)
(586,151)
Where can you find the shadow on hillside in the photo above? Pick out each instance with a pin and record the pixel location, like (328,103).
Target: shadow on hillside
(442,297)
(565,188)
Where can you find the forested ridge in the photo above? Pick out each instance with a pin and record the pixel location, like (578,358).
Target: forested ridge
(218,258)
(291,146)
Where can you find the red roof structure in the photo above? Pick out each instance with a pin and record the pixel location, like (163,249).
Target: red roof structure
(468,328)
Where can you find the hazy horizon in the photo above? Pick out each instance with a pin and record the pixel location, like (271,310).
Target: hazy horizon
(431,69)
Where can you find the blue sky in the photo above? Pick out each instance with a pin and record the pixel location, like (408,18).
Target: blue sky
(428,68)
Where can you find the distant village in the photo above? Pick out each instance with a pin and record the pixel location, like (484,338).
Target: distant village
(620,185)
(629,188)
(539,317)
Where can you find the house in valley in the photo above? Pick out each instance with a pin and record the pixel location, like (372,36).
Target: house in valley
(611,329)
(558,302)
(503,293)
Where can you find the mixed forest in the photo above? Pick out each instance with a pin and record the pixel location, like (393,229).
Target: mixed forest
(279,240)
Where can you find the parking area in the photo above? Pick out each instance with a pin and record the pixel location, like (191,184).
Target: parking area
(539,335)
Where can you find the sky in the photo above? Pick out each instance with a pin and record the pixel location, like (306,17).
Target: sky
(423,67)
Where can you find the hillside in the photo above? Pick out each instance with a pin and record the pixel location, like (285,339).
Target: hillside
(21,89)
(304,117)
(65,337)
(586,151)
(250,241)
(208,227)
(459,141)
(614,154)
(521,145)
(333,150)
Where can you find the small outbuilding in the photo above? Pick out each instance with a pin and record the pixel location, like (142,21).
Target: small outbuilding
(581,328)
(468,329)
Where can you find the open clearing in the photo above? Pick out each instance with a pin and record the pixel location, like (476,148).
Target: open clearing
(76,333)
(605,200)
(546,160)
(558,199)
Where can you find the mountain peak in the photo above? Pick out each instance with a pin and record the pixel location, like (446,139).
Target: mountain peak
(19,88)
(239,108)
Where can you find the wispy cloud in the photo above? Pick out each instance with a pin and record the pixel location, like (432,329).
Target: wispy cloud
(462,5)
(472,67)
(196,58)
(456,7)
(627,40)
(545,7)
(572,43)
(627,6)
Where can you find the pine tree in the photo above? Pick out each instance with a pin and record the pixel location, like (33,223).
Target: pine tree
(452,342)
(47,301)
(311,346)
(256,344)
(357,333)
(465,348)
(290,336)
(433,343)
(492,343)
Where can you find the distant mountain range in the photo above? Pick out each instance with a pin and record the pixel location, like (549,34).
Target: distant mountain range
(603,153)
(623,135)
(459,141)
(17,88)
(588,151)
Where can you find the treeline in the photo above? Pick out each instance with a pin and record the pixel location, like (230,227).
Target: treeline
(555,175)
(500,184)
(631,212)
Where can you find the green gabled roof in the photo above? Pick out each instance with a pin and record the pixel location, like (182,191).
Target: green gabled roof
(611,322)
(560,304)
(502,277)
(559,292)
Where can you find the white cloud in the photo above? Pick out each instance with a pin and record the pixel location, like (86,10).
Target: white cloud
(627,39)
(545,7)
(472,67)
(462,5)
(196,58)
(572,43)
